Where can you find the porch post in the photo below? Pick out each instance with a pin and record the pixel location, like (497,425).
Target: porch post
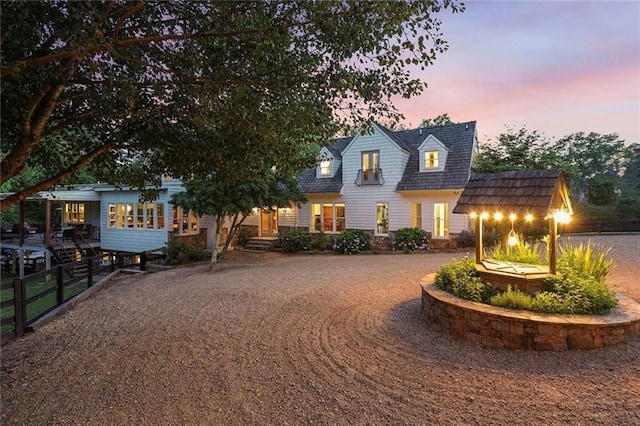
(553,237)
(479,239)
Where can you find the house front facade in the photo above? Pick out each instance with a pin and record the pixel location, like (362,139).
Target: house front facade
(386,180)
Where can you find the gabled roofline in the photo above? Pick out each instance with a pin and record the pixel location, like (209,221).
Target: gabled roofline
(387,133)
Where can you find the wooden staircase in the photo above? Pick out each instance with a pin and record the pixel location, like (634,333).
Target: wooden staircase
(261,244)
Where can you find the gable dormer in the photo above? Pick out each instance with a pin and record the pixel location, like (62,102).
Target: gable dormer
(327,164)
(432,155)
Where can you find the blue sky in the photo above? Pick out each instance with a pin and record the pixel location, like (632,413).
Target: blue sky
(558,67)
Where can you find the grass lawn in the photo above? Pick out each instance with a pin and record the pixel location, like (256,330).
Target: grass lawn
(40,305)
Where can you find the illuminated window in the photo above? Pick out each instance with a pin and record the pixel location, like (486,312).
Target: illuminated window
(382,218)
(140,215)
(440,220)
(112,216)
(129,215)
(150,218)
(416,215)
(431,159)
(160,214)
(74,213)
(325,167)
(328,217)
(184,222)
(120,219)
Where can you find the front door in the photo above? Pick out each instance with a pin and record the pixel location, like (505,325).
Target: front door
(269,222)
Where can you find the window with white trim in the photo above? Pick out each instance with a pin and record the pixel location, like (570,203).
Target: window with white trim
(140,216)
(325,167)
(328,217)
(416,215)
(382,219)
(440,220)
(185,222)
(431,160)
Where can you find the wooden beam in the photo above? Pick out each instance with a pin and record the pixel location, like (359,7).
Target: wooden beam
(553,242)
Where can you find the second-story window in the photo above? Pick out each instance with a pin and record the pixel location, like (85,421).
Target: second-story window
(325,167)
(431,159)
(370,167)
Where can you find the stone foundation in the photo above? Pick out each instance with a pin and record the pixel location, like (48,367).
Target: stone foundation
(497,327)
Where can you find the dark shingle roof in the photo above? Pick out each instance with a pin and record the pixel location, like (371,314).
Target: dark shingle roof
(309,183)
(524,191)
(457,138)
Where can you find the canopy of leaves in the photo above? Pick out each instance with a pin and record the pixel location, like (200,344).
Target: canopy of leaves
(185,88)
(218,199)
(592,162)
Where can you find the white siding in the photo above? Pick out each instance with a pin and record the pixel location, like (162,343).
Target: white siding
(288,217)
(132,239)
(361,200)
(457,222)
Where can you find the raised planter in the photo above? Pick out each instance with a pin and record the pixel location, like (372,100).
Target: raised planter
(496,327)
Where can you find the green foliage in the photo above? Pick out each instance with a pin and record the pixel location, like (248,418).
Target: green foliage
(592,162)
(411,239)
(585,259)
(441,120)
(459,278)
(165,85)
(244,235)
(320,240)
(513,299)
(578,288)
(352,241)
(576,294)
(522,252)
(297,240)
(601,191)
(466,239)
(179,252)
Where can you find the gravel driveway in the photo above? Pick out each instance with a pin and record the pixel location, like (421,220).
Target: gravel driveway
(275,339)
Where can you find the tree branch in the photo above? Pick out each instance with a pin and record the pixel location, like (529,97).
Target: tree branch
(54,180)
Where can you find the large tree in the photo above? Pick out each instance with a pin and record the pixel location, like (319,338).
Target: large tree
(587,159)
(116,81)
(220,200)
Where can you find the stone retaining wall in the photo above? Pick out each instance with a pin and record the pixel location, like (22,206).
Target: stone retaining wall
(497,327)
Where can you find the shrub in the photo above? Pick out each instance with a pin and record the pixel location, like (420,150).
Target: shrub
(411,239)
(466,239)
(513,299)
(459,278)
(589,260)
(578,294)
(352,241)
(179,252)
(297,240)
(244,235)
(523,252)
(320,241)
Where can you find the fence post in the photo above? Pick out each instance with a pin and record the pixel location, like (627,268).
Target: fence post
(143,261)
(59,285)
(90,272)
(20,306)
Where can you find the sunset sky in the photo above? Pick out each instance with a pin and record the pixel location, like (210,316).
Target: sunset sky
(558,67)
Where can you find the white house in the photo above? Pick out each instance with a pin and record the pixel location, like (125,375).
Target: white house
(384,181)
(121,221)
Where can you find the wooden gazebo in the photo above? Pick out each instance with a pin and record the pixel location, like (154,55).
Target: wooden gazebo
(522,194)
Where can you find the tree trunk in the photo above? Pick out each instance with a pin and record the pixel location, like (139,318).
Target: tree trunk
(214,252)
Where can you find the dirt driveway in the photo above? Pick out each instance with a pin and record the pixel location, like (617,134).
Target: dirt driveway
(273,339)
